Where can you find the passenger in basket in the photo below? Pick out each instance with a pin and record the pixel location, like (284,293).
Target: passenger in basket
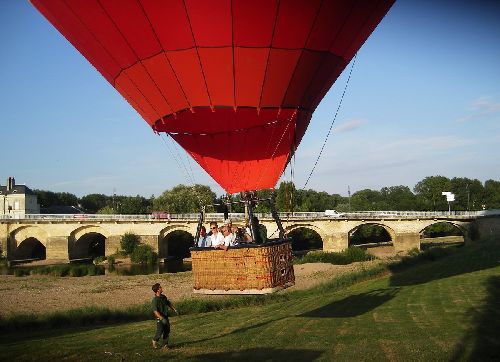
(228,236)
(204,241)
(216,239)
(228,223)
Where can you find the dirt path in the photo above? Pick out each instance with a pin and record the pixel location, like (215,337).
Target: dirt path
(42,294)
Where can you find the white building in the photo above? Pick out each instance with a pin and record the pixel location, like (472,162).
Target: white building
(17,199)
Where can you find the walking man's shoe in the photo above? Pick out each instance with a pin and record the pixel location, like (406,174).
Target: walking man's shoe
(155,344)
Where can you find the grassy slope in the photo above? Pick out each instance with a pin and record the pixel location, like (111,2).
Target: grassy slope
(443,310)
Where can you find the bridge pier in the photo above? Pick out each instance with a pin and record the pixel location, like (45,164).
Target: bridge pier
(406,241)
(336,242)
(57,248)
(112,244)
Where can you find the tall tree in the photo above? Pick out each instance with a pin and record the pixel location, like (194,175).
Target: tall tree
(94,202)
(184,199)
(469,194)
(429,192)
(367,200)
(491,194)
(398,198)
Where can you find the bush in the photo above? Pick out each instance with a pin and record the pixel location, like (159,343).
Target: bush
(99,260)
(129,242)
(111,260)
(350,255)
(144,254)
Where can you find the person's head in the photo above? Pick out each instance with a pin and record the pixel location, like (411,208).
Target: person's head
(203,231)
(255,219)
(228,222)
(156,288)
(214,228)
(225,230)
(234,229)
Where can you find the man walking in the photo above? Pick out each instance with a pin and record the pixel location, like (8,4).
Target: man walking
(160,305)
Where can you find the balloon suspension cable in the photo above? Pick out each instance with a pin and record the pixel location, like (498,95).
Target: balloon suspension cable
(333,121)
(188,174)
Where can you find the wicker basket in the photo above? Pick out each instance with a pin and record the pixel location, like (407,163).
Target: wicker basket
(255,269)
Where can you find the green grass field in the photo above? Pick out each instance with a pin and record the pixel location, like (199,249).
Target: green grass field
(442,310)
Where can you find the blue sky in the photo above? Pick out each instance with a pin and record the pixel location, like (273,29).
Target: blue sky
(423,100)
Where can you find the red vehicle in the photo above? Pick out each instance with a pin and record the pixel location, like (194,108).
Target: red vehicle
(160,215)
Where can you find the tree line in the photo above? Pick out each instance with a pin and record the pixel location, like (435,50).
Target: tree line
(470,194)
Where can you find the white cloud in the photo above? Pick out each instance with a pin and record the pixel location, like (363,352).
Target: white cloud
(481,108)
(349,125)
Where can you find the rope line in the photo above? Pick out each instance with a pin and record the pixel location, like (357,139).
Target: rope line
(331,124)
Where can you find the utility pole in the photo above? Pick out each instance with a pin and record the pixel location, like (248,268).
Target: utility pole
(468,195)
(349,195)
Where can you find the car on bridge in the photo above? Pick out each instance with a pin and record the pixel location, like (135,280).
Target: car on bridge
(333,213)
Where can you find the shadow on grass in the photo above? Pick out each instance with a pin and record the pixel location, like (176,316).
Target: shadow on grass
(262,354)
(452,262)
(482,342)
(353,305)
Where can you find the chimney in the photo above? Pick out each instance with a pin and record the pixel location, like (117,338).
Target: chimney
(11,182)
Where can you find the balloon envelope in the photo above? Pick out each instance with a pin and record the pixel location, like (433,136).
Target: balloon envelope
(233,82)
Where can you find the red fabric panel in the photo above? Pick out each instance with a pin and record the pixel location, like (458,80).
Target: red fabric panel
(160,70)
(294,23)
(328,23)
(186,66)
(217,66)
(279,72)
(358,16)
(249,67)
(246,31)
(98,22)
(204,120)
(375,18)
(168,18)
(136,29)
(305,71)
(227,159)
(211,22)
(126,87)
(77,34)
(145,84)
(329,71)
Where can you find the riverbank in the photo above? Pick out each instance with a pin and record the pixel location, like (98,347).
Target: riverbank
(46,294)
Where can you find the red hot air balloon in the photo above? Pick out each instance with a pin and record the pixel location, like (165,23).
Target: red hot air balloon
(234,82)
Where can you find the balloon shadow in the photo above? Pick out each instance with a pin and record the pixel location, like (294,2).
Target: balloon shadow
(482,342)
(481,256)
(353,305)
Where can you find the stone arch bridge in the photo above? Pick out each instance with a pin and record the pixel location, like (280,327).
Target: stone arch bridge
(70,237)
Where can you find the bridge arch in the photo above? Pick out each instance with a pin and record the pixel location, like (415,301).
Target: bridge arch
(373,246)
(175,241)
(27,242)
(456,228)
(87,242)
(296,227)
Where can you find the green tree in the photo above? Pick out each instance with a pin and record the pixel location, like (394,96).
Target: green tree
(367,200)
(94,202)
(184,199)
(398,198)
(491,194)
(129,242)
(133,205)
(469,194)
(429,192)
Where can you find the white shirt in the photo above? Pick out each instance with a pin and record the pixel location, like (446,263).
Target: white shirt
(217,239)
(229,240)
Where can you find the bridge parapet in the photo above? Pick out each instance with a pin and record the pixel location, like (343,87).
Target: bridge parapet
(358,215)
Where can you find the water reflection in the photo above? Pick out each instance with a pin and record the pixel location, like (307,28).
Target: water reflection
(168,266)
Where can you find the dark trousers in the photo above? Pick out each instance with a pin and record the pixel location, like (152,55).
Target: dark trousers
(162,328)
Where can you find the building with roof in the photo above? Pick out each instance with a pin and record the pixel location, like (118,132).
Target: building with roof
(17,199)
